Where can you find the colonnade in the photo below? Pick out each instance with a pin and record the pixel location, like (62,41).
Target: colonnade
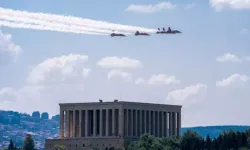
(118,122)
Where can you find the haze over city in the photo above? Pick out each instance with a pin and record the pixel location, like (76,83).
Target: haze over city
(46,60)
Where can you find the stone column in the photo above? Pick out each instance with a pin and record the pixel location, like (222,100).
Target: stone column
(136,123)
(158,123)
(101,123)
(127,122)
(132,122)
(149,121)
(178,124)
(86,123)
(121,122)
(140,122)
(94,122)
(154,123)
(71,123)
(67,124)
(107,122)
(174,123)
(61,124)
(145,122)
(80,123)
(170,124)
(166,127)
(113,122)
(74,123)
(162,124)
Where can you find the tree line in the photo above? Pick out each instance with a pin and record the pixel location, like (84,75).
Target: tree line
(190,140)
(28,144)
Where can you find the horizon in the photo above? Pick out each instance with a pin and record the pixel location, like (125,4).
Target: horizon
(50,55)
(219,125)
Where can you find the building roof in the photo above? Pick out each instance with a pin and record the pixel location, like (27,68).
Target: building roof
(115,102)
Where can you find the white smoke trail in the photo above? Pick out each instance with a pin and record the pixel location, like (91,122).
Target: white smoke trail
(64,23)
(40,27)
(9,16)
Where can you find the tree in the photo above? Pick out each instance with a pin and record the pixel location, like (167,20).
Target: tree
(208,143)
(11,145)
(243,139)
(146,142)
(156,145)
(60,147)
(239,139)
(234,141)
(132,146)
(215,145)
(36,114)
(219,141)
(56,118)
(111,148)
(248,142)
(28,143)
(171,143)
(190,141)
(45,115)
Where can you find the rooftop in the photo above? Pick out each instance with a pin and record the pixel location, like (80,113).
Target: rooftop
(101,102)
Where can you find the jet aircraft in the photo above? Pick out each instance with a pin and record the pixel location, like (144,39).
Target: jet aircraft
(143,33)
(169,31)
(117,34)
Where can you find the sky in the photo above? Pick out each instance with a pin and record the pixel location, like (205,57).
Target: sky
(47,59)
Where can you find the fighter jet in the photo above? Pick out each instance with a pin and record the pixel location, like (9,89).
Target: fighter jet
(169,31)
(117,34)
(138,33)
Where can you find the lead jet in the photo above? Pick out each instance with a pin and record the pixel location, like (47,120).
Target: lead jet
(169,31)
(138,33)
(117,34)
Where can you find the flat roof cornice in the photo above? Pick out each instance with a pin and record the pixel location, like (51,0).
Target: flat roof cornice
(116,103)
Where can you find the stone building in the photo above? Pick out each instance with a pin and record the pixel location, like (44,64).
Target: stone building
(113,124)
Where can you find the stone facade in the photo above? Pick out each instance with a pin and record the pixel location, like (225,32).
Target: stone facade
(113,124)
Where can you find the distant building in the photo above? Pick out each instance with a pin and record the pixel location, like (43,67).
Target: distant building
(112,124)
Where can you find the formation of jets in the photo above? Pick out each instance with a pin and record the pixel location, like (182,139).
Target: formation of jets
(169,31)
(137,33)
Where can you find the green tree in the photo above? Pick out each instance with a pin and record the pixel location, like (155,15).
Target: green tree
(208,143)
(11,145)
(111,148)
(60,147)
(248,142)
(133,145)
(171,143)
(219,141)
(239,139)
(157,144)
(28,143)
(234,141)
(146,142)
(36,114)
(190,141)
(243,139)
(44,115)
(224,141)
(15,148)
(215,145)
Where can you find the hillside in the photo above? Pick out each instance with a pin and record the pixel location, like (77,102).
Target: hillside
(214,131)
(15,125)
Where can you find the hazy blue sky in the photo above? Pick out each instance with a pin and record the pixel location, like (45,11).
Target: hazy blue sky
(205,69)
